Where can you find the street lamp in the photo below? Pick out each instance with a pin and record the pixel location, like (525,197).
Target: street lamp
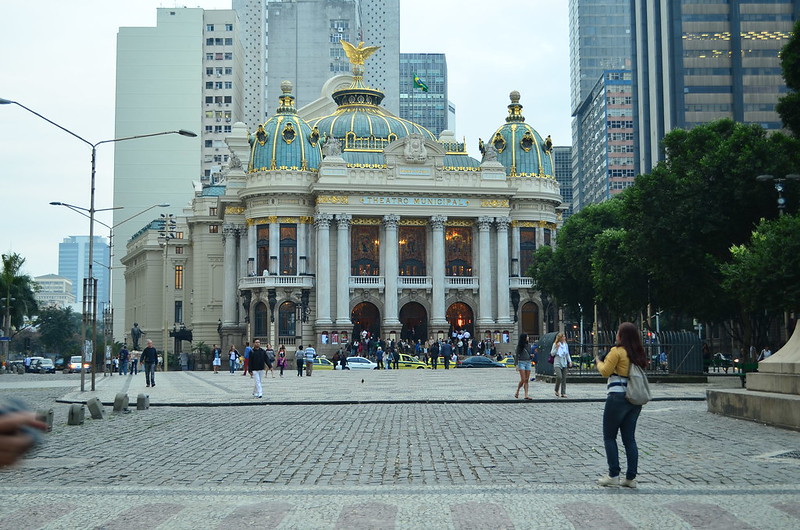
(108,313)
(90,284)
(778,181)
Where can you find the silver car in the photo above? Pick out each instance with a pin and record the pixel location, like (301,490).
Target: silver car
(360,363)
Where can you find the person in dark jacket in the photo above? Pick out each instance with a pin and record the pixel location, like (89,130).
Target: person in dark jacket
(149,360)
(258,362)
(446,351)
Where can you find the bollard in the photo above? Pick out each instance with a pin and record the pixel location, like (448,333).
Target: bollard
(76,414)
(95,408)
(142,402)
(121,402)
(45,416)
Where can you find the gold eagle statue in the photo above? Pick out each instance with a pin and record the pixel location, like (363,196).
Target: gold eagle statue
(358,55)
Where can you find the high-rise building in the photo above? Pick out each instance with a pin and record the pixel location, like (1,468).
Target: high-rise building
(73,264)
(600,41)
(303,45)
(253,33)
(185,73)
(428,107)
(606,134)
(695,62)
(562,168)
(54,291)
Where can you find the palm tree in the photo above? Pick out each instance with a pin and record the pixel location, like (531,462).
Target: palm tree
(16,293)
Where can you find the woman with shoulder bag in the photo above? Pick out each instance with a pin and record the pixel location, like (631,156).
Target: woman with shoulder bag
(619,414)
(522,359)
(561,362)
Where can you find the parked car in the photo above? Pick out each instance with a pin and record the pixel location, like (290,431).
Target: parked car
(360,363)
(508,362)
(34,361)
(409,362)
(322,363)
(59,363)
(43,366)
(478,361)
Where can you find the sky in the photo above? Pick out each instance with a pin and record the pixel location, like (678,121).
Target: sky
(60,62)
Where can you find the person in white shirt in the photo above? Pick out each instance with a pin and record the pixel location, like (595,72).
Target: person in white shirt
(311,354)
(561,362)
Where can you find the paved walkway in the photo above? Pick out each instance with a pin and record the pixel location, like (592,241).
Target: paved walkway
(381,461)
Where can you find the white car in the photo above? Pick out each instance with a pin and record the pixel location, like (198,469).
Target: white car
(360,363)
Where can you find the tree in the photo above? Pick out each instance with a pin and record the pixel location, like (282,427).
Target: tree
(789,105)
(618,275)
(59,329)
(17,292)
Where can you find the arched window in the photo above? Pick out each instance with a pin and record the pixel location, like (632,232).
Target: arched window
(287,323)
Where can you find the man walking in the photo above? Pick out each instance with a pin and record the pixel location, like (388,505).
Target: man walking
(300,359)
(258,361)
(150,360)
(446,351)
(124,355)
(135,363)
(311,354)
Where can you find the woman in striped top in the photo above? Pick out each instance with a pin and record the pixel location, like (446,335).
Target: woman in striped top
(620,415)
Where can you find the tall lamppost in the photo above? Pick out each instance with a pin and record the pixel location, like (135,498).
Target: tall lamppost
(108,313)
(90,284)
(778,181)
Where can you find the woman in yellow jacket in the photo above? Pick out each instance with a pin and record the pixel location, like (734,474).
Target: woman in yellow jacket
(620,415)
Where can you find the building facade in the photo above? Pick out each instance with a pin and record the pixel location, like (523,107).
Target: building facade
(427,107)
(695,62)
(607,136)
(73,264)
(54,291)
(562,165)
(356,221)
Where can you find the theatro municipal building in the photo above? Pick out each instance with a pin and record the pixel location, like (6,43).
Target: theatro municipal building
(341,217)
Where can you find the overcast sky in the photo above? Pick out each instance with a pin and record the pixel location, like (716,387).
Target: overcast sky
(59,60)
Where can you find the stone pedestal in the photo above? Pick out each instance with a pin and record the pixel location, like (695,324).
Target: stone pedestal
(773,393)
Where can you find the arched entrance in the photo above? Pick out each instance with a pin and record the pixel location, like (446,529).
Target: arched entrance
(529,319)
(460,317)
(415,322)
(365,316)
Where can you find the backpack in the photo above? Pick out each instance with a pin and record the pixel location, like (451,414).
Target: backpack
(638,390)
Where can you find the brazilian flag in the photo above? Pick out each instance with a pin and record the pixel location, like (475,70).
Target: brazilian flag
(418,83)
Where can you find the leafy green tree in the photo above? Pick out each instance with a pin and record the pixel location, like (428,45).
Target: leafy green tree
(765,272)
(59,329)
(789,105)
(618,275)
(17,290)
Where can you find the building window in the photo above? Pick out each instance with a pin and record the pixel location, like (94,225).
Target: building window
(178,276)
(527,248)
(178,312)
(209,27)
(212,210)
(547,236)
(178,250)
(228,27)
(228,42)
(262,248)
(178,235)
(213,229)
(411,245)
(287,318)
(288,255)
(260,320)
(209,57)
(228,84)
(364,249)
(228,55)
(458,251)
(209,42)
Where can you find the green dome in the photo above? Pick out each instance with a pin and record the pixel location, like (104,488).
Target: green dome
(285,141)
(362,126)
(520,149)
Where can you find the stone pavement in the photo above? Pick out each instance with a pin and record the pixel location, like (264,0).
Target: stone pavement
(383,461)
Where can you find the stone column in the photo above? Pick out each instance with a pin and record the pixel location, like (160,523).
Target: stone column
(438,319)
(274,245)
(390,310)
(485,268)
(322,222)
(343,270)
(229,274)
(252,248)
(503,293)
(516,269)
(242,254)
(302,247)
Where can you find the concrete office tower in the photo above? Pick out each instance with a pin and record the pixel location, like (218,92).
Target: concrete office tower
(73,264)
(304,47)
(562,165)
(54,291)
(185,73)
(253,31)
(428,108)
(606,134)
(698,62)
(600,40)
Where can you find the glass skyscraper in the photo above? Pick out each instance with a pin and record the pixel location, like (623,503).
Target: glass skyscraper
(73,264)
(427,108)
(562,159)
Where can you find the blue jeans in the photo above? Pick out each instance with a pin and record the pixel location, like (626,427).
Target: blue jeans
(123,367)
(620,416)
(150,373)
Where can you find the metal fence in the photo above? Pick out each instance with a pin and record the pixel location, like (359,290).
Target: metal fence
(683,349)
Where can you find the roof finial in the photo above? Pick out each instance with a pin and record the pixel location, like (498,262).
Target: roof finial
(515,109)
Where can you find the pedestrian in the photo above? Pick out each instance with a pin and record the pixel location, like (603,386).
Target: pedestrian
(247,350)
(311,354)
(282,358)
(232,354)
(258,360)
(765,353)
(446,351)
(343,362)
(522,360)
(387,359)
(124,356)
(434,354)
(620,415)
(561,363)
(270,360)
(300,359)
(335,360)
(149,361)
(135,362)
(396,360)
(217,362)
(379,358)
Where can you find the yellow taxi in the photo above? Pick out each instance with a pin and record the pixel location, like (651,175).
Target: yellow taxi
(508,362)
(409,362)
(322,363)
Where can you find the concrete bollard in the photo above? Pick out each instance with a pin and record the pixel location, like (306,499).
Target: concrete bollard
(46,416)
(76,414)
(95,408)
(142,402)
(121,402)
